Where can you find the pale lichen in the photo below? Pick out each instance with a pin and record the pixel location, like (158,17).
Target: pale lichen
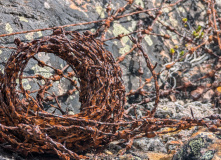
(29,36)
(119,29)
(8,28)
(100,10)
(21,18)
(140,3)
(148,40)
(26,84)
(46,72)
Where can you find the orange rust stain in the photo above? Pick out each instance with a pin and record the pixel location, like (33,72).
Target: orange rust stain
(176,142)
(73,6)
(85,7)
(218,89)
(78,6)
(159,156)
(216,146)
(200,130)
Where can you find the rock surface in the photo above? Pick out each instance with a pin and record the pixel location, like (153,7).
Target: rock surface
(149,144)
(180,109)
(202,145)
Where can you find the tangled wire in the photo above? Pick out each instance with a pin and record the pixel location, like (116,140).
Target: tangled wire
(26,127)
(102,93)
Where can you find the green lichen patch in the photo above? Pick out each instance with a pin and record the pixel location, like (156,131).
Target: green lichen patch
(196,145)
(208,155)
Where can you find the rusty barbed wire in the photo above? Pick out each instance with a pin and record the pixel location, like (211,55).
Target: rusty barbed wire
(26,127)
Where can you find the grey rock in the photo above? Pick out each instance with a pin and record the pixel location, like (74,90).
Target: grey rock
(204,146)
(207,97)
(177,111)
(114,147)
(149,144)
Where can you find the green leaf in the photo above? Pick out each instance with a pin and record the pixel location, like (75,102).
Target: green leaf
(202,34)
(195,34)
(198,28)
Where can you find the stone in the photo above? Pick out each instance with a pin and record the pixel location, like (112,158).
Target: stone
(196,94)
(178,111)
(159,156)
(149,144)
(108,152)
(71,113)
(207,97)
(114,148)
(202,145)
(172,146)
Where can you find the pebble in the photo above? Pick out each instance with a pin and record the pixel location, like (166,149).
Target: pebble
(46,5)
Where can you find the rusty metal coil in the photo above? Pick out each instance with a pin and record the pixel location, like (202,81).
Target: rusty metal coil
(102,97)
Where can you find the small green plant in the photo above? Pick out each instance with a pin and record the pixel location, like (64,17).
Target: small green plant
(181,53)
(172,51)
(198,28)
(184,20)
